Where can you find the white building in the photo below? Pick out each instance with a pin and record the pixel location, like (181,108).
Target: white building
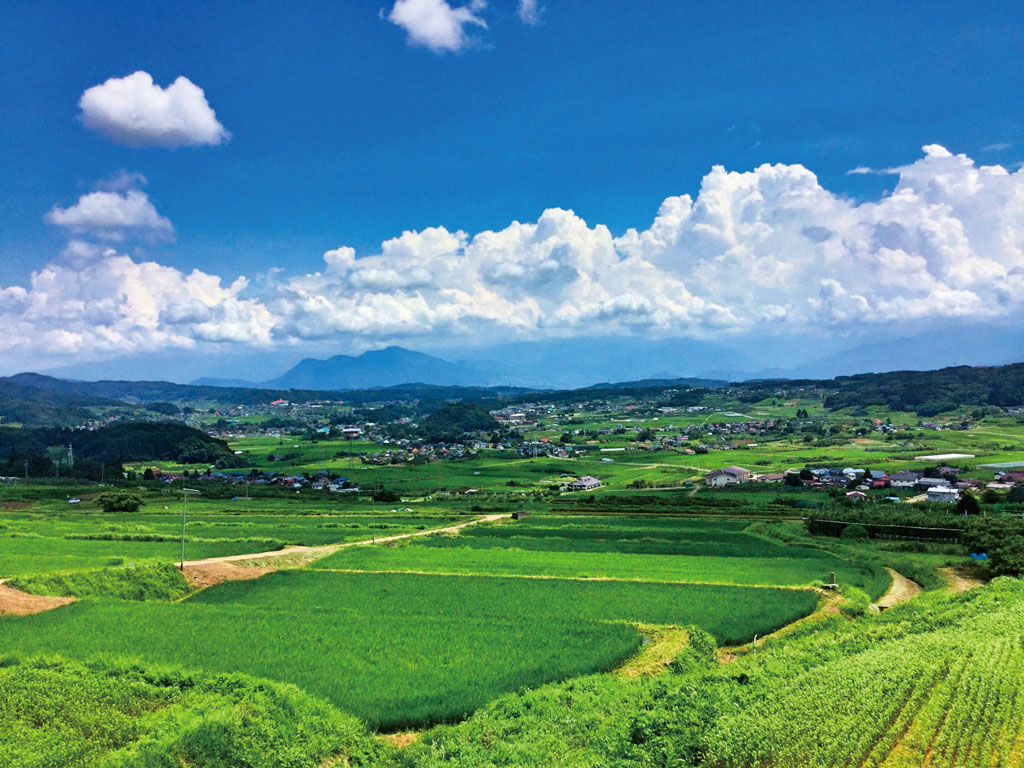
(943,493)
(585,483)
(726,476)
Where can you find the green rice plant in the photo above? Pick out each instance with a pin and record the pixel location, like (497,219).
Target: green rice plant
(505,561)
(401,650)
(21,556)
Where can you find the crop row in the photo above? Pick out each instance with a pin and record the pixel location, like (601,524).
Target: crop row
(949,698)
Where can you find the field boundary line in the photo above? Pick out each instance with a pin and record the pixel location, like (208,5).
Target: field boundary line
(828,606)
(618,579)
(211,571)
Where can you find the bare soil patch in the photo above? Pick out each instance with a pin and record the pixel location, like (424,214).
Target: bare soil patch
(960,579)
(402,739)
(18,603)
(200,575)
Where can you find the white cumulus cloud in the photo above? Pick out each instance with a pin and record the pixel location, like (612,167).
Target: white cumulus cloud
(435,24)
(751,252)
(113,215)
(137,112)
(96,302)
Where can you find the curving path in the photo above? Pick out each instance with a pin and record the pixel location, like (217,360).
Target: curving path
(17,603)
(900,590)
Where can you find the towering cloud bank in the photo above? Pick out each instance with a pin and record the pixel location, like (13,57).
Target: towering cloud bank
(754,251)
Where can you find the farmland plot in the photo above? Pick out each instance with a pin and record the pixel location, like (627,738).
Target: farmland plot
(400,650)
(646,549)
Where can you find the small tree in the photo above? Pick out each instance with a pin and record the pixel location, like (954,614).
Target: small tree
(1002,539)
(968,505)
(119,501)
(990,497)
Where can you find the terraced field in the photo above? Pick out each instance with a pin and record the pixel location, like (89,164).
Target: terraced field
(938,685)
(35,542)
(401,650)
(645,549)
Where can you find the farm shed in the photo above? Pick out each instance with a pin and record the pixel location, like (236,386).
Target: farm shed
(727,476)
(585,483)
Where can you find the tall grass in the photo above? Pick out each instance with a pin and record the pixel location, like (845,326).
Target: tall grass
(144,582)
(61,713)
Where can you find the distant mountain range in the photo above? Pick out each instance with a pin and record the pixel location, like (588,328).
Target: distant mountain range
(583,362)
(378,368)
(560,365)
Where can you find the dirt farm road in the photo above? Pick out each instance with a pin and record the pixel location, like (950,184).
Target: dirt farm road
(214,570)
(901,590)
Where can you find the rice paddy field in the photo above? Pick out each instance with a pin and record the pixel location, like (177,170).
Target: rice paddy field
(646,549)
(51,535)
(401,650)
(435,632)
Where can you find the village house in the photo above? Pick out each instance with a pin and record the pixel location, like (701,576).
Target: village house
(905,478)
(943,493)
(585,483)
(726,476)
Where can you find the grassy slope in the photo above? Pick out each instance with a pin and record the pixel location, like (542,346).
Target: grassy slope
(59,713)
(941,676)
(146,582)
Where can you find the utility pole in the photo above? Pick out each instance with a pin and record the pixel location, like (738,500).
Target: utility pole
(184,507)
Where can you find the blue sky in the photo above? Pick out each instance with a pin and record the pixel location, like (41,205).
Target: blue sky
(346,129)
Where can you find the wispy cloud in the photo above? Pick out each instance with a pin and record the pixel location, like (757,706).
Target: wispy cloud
(864,170)
(529,12)
(436,25)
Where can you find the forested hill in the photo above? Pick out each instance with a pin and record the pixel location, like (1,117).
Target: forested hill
(34,407)
(926,392)
(36,400)
(933,391)
(45,387)
(113,444)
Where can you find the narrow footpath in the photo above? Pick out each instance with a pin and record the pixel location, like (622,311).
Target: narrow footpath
(900,590)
